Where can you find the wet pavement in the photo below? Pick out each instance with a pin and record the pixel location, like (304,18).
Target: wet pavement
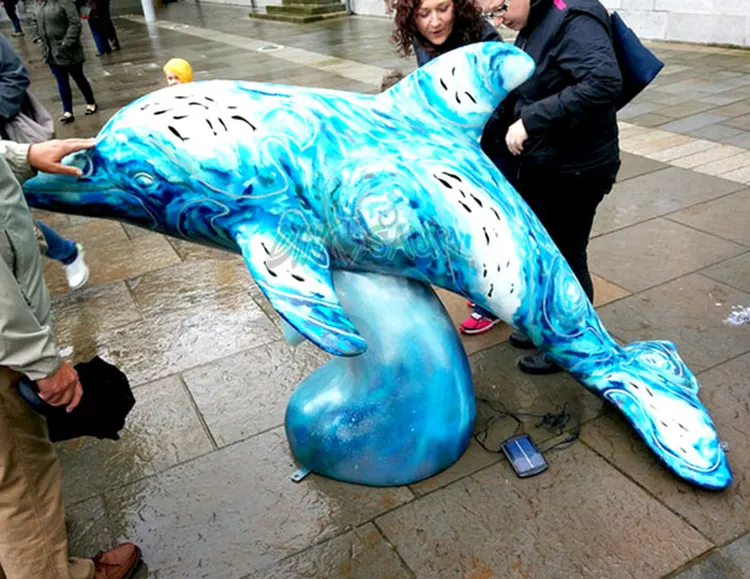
(201,477)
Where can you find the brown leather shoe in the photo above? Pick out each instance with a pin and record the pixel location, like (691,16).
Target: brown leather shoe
(119,563)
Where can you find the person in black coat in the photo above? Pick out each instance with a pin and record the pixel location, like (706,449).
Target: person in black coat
(561,127)
(555,137)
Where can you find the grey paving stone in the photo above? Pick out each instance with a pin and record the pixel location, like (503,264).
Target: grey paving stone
(635,166)
(650,253)
(88,528)
(733,272)
(741,122)
(474,459)
(692,123)
(720,516)
(668,99)
(719,133)
(116,260)
(636,109)
(690,312)
(161,431)
(581,518)
(729,562)
(657,194)
(740,140)
(736,109)
(247,393)
(650,120)
(79,315)
(236,511)
(358,554)
(725,217)
(686,109)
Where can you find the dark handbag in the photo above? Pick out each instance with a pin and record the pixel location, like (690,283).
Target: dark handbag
(638,65)
(106,402)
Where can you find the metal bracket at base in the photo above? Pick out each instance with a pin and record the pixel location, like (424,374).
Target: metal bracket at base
(299,474)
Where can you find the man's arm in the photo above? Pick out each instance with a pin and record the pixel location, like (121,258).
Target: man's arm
(17,156)
(26,346)
(25,160)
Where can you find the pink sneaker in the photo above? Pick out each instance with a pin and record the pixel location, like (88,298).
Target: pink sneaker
(477,324)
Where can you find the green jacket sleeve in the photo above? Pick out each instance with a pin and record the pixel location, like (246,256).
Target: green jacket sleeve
(26,346)
(17,156)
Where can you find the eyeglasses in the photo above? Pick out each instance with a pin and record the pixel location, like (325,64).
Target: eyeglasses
(499,11)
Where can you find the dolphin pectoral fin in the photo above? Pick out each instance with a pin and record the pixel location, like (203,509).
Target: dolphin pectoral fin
(300,288)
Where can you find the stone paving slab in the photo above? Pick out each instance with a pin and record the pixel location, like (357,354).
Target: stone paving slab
(236,511)
(653,252)
(163,430)
(232,410)
(733,272)
(359,554)
(725,217)
(580,519)
(729,562)
(657,194)
(689,311)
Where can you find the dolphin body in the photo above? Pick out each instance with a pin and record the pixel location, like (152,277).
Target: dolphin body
(300,181)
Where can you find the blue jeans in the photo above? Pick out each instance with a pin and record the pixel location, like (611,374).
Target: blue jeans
(100,39)
(59,248)
(62,74)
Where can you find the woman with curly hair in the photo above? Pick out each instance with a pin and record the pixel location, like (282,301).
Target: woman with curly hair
(433,27)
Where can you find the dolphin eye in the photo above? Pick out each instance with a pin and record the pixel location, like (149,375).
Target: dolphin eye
(88,168)
(143,179)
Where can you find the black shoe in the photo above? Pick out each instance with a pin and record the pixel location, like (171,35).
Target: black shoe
(90,111)
(520,341)
(538,363)
(67,118)
(115,48)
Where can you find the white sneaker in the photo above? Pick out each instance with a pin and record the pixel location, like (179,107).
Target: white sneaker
(77,273)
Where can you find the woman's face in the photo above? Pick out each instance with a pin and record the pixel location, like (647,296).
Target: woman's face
(434,20)
(516,14)
(172,80)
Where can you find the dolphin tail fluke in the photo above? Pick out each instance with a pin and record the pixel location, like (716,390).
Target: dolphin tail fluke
(658,394)
(298,283)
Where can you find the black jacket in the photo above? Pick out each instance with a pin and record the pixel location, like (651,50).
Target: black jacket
(568,106)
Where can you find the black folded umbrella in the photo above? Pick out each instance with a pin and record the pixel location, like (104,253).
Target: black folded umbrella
(107,400)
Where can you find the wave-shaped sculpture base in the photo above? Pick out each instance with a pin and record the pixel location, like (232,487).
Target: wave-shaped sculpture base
(402,411)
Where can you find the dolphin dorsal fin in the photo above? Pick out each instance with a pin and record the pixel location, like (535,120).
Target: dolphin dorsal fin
(462,88)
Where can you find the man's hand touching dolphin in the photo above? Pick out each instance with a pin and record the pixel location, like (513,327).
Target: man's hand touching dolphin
(47,156)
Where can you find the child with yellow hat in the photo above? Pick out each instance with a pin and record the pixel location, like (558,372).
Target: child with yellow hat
(178,71)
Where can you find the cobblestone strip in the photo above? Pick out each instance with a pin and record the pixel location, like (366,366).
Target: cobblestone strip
(699,155)
(360,72)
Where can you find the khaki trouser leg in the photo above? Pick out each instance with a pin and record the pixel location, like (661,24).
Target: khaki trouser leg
(33,537)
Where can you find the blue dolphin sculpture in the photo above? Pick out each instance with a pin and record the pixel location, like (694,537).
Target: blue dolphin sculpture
(300,181)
